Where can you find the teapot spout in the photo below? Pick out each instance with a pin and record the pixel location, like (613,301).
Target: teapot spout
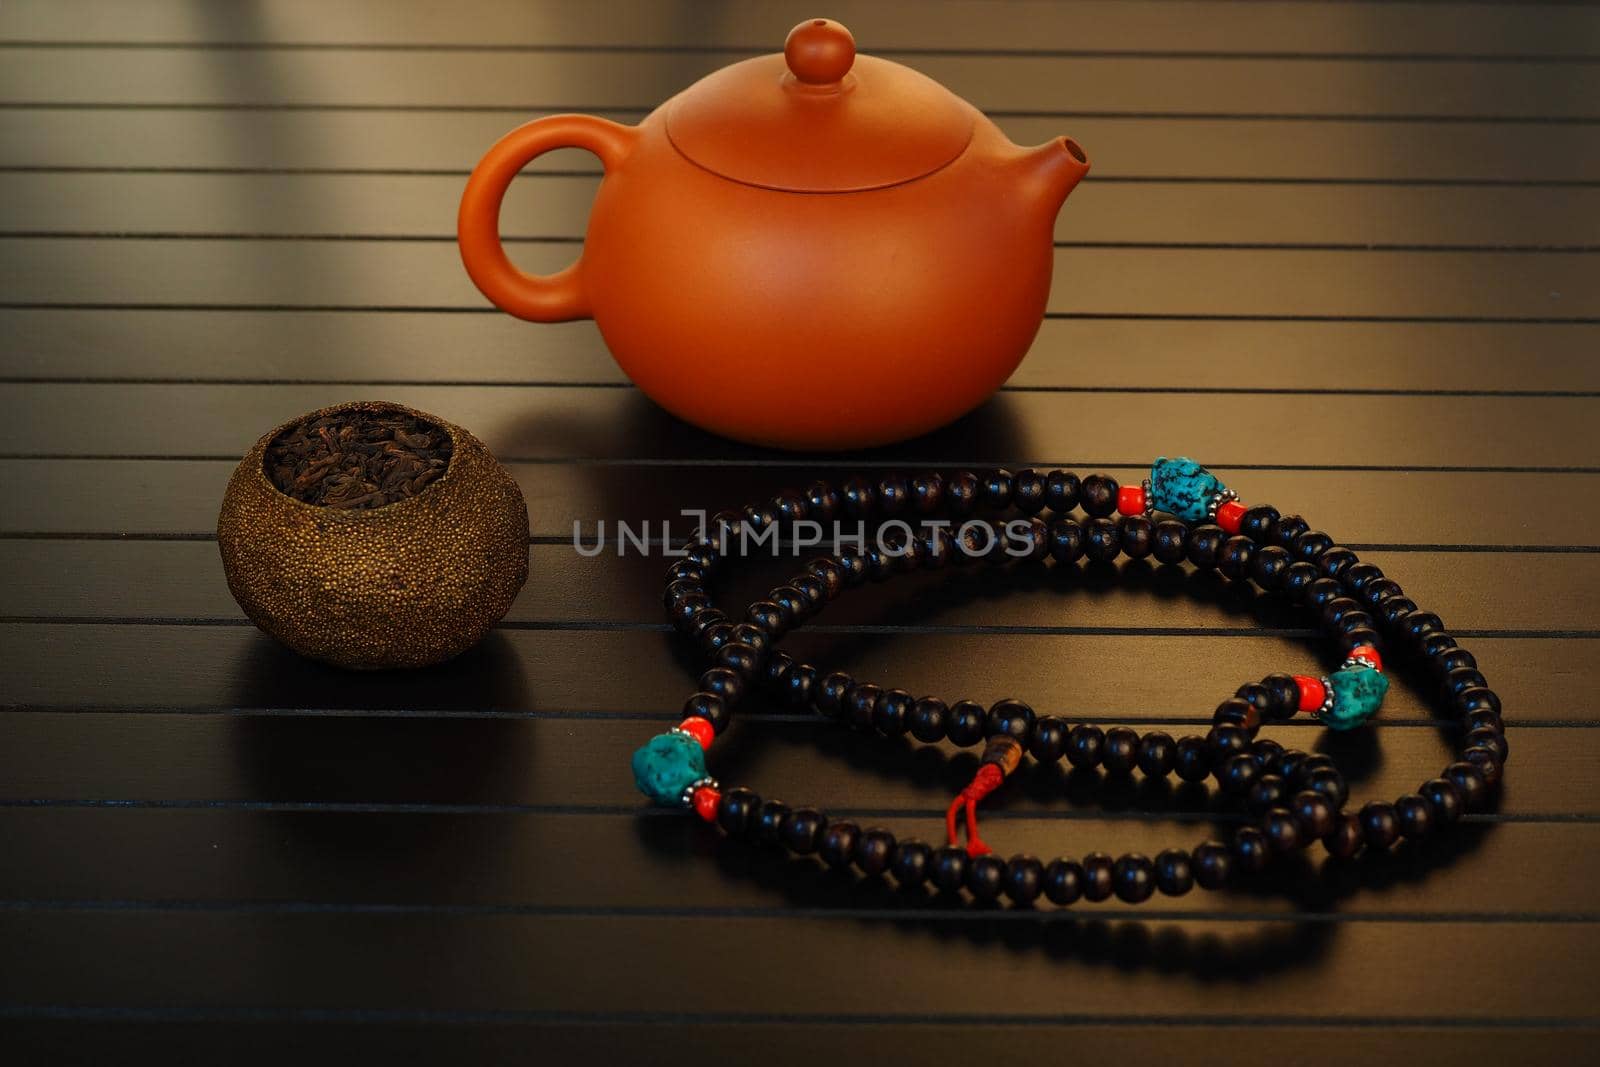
(1053,170)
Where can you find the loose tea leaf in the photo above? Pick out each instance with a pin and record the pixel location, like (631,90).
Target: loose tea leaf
(358,459)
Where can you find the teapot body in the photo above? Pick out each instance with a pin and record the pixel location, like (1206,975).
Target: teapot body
(810,250)
(814,320)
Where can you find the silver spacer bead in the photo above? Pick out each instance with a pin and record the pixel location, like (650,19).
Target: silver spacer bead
(1358,661)
(687,799)
(1217,500)
(1148,507)
(1327,699)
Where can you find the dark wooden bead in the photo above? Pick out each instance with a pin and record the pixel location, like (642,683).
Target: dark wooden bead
(1358,576)
(1157,750)
(799,685)
(1134,878)
(927,493)
(724,683)
(776,668)
(1267,750)
(1250,850)
(1393,609)
(1380,828)
(894,496)
(1024,878)
(1267,792)
(766,616)
(1322,592)
(1027,491)
(1415,625)
(683,608)
(854,567)
(1336,563)
(769,822)
(1063,881)
(965,724)
(892,711)
(911,863)
(1360,637)
(739,657)
(1282,830)
(1192,759)
(1375,592)
(790,507)
(1449,660)
(1337,608)
(837,846)
(995,489)
(1345,839)
(1294,580)
(1212,863)
(1011,718)
(1313,812)
(1137,536)
(1120,751)
(1310,545)
(715,637)
(1483,718)
(1470,700)
(860,703)
(1227,740)
(1493,740)
(1101,539)
(1236,711)
(986,877)
(1097,882)
(1287,528)
(1061,489)
(1174,873)
(1256,695)
(1258,521)
(859,498)
(1066,541)
(829,694)
(802,830)
(1285,695)
(949,869)
(874,851)
(1267,566)
(1414,816)
(961,492)
(1233,559)
(737,811)
(710,707)
(1472,787)
(1287,763)
(1460,680)
(1171,541)
(1085,745)
(1308,765)
(822,502)
(1049,739)
(927,720)
(1330,784)
(1487,763)
(1205,542)
(1238,773)
(1098,494)
(1444,800)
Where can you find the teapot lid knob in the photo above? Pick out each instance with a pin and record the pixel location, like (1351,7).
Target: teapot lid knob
(819,52)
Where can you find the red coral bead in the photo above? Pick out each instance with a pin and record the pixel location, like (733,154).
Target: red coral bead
(1312,692)
(1229,515)
(1130,499)
(1368,653)
(699,729)
(706,801)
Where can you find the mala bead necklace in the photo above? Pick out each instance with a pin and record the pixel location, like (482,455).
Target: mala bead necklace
(1295,798)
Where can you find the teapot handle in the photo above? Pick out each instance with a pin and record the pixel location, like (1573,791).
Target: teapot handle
(538,297)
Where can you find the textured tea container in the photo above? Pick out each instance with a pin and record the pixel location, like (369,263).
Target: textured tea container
(408,584)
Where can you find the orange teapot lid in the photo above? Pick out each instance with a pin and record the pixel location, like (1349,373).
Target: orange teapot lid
(818,118)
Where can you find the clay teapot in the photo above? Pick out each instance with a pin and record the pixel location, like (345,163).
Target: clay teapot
(812,250)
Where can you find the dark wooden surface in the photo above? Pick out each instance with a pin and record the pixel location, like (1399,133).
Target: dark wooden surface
(1344,252)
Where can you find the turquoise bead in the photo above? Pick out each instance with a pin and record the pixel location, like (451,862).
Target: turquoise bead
(1183,488)
(1357,695)
(666,765)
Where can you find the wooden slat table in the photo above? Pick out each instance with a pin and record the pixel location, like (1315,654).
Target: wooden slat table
(1344,252)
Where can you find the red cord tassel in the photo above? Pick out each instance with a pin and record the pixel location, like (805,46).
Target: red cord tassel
(1000,758)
